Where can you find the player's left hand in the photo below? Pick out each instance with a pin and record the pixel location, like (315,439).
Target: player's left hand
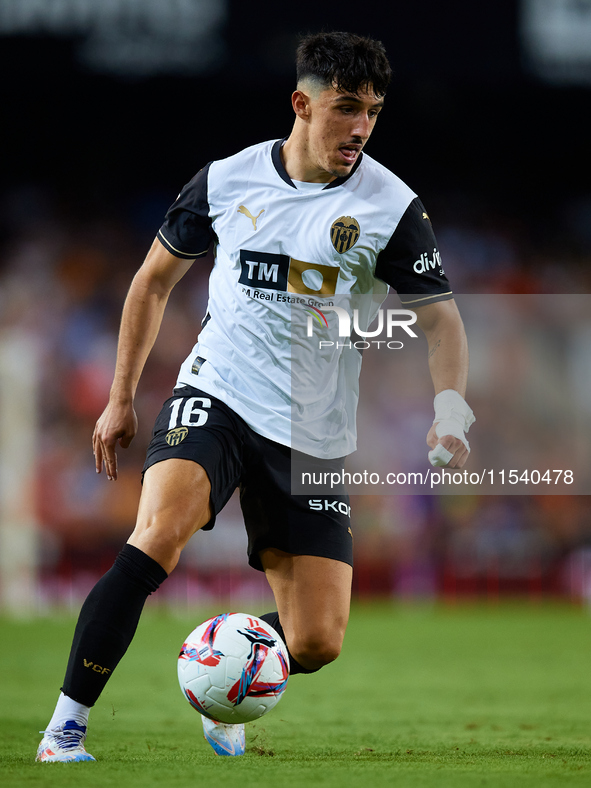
(457,449)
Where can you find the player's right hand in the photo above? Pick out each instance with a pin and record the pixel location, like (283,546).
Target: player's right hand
(117,423)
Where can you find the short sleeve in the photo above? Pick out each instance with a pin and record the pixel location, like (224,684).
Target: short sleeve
(411,263)
(187,230)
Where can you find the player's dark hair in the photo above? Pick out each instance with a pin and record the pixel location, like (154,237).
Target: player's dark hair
(345,61)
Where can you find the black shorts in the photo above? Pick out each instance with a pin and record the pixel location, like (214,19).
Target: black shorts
(193,425)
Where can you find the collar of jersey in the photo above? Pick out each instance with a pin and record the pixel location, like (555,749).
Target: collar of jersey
(276,157)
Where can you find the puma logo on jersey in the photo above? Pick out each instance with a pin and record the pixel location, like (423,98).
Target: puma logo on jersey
(244,210)
(425,216)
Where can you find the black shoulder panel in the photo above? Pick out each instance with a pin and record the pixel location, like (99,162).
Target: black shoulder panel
(187,230)
(411,263)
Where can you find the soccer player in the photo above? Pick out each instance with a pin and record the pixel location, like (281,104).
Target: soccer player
(306,220)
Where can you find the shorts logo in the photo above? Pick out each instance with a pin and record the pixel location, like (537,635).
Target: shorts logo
(176,436)
(324,505)
(344,233)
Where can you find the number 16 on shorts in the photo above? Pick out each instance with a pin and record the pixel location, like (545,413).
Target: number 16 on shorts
(191,411)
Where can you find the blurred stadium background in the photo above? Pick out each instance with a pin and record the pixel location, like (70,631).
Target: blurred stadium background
(110,107)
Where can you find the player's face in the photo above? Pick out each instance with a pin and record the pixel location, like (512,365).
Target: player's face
(339,126)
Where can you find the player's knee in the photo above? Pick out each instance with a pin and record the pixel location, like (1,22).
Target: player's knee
(162,544)
(315,651)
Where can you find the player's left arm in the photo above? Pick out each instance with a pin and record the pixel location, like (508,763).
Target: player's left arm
(448,364)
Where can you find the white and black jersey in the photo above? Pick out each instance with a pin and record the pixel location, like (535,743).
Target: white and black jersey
(283,247)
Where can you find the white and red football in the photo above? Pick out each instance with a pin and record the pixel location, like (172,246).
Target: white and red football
(233,668)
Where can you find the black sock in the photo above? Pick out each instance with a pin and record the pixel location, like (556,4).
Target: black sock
(107,623)
(294,665)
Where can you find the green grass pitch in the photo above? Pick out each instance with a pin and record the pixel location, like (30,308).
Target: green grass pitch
(433,696)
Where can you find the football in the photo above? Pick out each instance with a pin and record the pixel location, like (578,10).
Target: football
(233,668)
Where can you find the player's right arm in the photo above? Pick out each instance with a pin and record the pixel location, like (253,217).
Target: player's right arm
(140,323)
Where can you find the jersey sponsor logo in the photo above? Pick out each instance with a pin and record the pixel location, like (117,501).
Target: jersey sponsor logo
(324,505)
(264,270)
(423,265)
(344,233)
(312,278)
(270,271)
(176,436)
(244,210)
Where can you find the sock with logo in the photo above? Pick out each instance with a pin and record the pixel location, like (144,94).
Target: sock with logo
(294,665)
(107,623)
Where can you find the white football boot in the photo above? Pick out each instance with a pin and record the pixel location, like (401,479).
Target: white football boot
(64,744)
(225,739)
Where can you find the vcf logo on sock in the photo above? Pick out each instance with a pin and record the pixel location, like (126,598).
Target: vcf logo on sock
(95,667)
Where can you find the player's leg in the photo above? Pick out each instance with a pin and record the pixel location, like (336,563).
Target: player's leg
(305,547)
(174,504)
(313,596)
(177,500)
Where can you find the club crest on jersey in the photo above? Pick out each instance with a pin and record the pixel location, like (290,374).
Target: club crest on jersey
(176,436)
(344,233)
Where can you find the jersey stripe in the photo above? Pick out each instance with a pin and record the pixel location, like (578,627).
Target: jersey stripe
(431,298)
(177,252)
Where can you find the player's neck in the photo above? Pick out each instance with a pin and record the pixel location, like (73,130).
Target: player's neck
(298,162)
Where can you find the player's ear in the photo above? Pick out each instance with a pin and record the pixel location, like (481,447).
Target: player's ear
(300,102)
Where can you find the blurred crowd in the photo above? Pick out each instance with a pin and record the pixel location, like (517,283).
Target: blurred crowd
(63,280)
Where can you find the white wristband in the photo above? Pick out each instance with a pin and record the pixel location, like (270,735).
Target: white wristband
(453,415)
